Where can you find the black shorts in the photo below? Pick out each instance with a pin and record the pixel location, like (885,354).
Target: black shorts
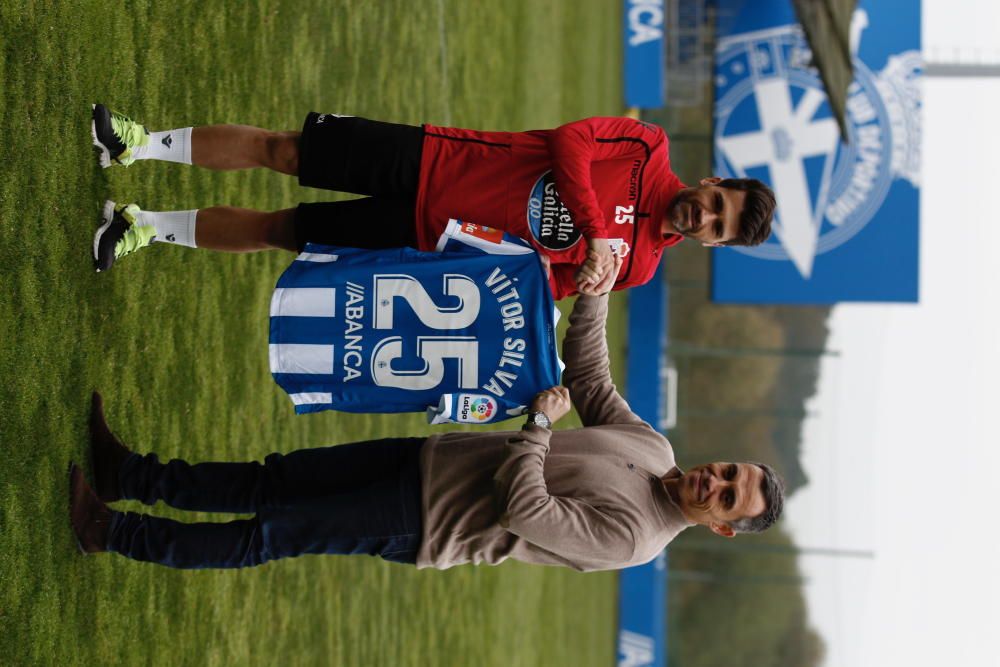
(365,157)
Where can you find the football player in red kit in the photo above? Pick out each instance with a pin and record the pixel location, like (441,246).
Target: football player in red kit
(579,193)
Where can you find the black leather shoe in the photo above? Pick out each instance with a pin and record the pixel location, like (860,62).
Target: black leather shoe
(107,453)
(91,519)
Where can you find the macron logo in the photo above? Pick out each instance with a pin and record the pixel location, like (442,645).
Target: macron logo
(167,141)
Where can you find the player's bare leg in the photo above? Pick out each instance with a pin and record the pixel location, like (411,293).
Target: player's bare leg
(231,229)
(227,147)
(123,141)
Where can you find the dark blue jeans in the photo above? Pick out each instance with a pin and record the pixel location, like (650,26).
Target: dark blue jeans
(361,498)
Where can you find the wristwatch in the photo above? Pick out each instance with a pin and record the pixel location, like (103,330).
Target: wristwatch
(539,419)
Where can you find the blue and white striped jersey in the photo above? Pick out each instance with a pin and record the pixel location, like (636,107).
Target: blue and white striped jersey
(466,335)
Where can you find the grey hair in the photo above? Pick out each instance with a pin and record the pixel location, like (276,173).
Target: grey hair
(772,487)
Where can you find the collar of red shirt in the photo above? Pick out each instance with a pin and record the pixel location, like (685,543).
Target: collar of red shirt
(659,240)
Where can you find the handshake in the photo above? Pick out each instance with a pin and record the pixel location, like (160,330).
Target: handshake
(598,273)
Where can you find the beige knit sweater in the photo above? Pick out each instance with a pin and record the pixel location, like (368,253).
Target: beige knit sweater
(590,498)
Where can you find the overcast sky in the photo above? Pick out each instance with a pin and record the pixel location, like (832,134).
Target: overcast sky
(903,454)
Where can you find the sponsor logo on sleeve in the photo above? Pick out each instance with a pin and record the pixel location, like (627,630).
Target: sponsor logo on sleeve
(473,409)
(488,234)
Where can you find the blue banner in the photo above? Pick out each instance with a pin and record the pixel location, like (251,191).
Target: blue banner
(642,593)
(642,590)
(847,223)
(645,57)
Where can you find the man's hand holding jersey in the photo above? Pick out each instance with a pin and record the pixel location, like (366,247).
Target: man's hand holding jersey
(554,403)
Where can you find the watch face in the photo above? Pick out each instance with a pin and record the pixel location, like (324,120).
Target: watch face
(539,419)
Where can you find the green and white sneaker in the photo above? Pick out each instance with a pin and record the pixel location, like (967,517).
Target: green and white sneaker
(119,235)
(116,136)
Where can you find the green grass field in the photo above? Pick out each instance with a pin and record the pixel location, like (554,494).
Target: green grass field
(176,338)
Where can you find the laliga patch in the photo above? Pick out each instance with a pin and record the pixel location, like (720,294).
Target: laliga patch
(549,220)
(475,408)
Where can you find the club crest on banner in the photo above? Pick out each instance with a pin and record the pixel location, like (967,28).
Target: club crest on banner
(773,122)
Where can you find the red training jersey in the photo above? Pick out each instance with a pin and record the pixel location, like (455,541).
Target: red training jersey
(598,178)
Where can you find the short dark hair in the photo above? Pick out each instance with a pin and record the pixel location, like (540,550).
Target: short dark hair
(758,210)
(772,487)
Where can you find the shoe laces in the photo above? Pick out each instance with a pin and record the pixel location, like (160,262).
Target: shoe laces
(130,133)
(136,236)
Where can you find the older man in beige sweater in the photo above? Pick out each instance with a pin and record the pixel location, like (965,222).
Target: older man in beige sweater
(605,496)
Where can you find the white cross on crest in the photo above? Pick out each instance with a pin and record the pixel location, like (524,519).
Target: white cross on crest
(788,135)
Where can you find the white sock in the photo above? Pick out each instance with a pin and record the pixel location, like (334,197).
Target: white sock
(175,227)
(172,146)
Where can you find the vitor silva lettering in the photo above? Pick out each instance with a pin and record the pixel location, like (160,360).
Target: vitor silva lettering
(512,313)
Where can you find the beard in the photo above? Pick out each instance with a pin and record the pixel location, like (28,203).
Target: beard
(679,211)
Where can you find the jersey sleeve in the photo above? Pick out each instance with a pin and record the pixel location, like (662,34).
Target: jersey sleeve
(463,408)
(574,146)
(464,236)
